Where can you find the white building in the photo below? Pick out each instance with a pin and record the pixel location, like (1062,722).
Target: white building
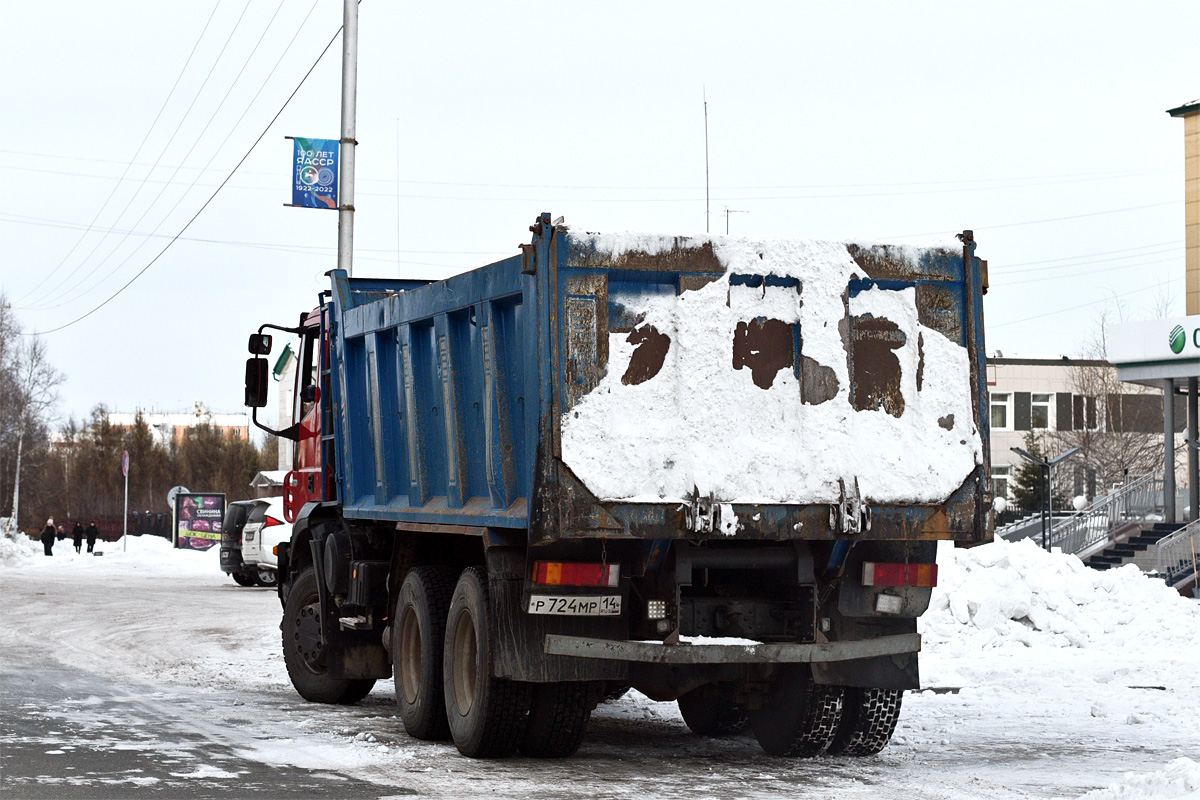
(169,428)
(1068,402)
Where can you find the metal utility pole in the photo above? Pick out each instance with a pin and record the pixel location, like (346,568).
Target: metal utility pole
(729,211)
(349,97)
(1047,466)
(706,163)
(125,523)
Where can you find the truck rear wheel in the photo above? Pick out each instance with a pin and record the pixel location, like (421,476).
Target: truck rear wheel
(868,721)
(710,711)
(304,648)
(486,714)
(558,718)
(418,638)
(799,717)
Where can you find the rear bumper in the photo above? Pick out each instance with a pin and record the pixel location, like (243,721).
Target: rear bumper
(658,653)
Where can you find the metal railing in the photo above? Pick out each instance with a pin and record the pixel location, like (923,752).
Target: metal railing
(1137,500)
(1019,522)
(1173,557)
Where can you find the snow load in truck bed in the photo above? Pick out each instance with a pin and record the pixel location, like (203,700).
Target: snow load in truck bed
(743,388)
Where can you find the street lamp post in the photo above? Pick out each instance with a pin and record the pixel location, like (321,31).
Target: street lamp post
(1047,466)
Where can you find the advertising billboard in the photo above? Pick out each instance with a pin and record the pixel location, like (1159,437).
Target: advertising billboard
(198,519)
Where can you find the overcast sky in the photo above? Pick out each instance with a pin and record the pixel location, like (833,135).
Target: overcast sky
(1039,125)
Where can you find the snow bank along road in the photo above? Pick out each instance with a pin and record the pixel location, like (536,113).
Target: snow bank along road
(1044,680)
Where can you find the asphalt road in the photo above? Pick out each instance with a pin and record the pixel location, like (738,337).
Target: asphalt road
(148,679)
(69,732)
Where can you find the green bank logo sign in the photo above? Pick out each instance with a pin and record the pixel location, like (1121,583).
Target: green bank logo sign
(1177,339)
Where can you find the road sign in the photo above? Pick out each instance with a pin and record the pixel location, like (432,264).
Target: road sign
(125,463)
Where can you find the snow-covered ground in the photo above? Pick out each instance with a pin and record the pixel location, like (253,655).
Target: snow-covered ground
(1041,679)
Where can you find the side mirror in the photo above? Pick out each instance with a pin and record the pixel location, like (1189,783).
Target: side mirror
(256,381)
(310,394)
(260,344)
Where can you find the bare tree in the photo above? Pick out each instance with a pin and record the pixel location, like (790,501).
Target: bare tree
(33,397)
(1111,446)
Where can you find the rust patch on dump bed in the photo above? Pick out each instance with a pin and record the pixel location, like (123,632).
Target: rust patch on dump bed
(650,350)
(818,383)
(920,361)
(683,256)
(874,341)
(764,346)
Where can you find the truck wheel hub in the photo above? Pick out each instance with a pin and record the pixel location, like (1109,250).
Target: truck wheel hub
(308,636)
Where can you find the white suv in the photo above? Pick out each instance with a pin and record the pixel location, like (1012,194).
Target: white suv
(265,527)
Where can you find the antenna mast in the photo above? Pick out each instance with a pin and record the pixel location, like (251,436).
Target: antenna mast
(705,160)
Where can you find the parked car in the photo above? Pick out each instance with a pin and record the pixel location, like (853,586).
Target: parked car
(264,529)
(249,534)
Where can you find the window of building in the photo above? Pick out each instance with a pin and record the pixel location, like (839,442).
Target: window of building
(1000,478)
(1085,414)
(1039,411)
(1001,411)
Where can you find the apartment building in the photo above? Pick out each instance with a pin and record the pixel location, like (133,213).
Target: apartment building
(169,429)
(1069,402)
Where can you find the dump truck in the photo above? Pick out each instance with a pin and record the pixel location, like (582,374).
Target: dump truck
(712,469)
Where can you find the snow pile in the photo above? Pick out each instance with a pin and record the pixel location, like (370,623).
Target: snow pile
(17,549)
(150,554)
(1180,781)
(1014,594)
(705,420)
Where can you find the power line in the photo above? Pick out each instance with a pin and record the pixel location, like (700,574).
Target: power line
(162,153)
(1033,221)
(79,288)
(211,197)
(1072,308)
(212,158)
(317,249)
(131,162)
(1090,255)
(1018,182)
(1058,277)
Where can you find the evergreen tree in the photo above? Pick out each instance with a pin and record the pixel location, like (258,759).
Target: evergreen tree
(1028,490)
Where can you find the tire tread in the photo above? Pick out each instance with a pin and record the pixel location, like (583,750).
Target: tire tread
(506,702)
(558,718)
(869,720)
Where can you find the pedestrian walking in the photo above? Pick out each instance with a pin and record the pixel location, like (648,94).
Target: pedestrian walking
(62,534)
(92,533)
(77,535)
(48,534)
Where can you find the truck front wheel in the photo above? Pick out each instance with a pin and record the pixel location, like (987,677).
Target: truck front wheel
(798,717)
(304,648)
(486,714)
(418,636)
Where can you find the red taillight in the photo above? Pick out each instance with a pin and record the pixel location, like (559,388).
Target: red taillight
(899,574)
(268,521)
(555,573)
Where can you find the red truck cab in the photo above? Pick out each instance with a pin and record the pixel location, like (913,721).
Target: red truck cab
(306,482)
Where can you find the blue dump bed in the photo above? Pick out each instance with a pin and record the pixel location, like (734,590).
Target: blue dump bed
(657,387)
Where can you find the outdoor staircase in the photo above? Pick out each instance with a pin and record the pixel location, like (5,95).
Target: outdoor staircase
(1125,527)
(1126,550)
(1162,549)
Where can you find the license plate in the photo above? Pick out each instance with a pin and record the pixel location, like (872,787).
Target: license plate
(609,605)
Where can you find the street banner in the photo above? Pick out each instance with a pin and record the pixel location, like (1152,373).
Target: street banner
(315,173)
(198,519)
